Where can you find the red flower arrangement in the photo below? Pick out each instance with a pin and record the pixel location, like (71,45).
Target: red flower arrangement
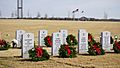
(116,47)
(38,54)
(94,47)
(4,45)
(48,41)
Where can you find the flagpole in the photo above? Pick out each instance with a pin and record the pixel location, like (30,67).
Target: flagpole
(73,16)
(78,15)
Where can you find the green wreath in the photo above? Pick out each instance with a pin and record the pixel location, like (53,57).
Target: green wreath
(38,54)
(94,48)
(71,40)
(67,51)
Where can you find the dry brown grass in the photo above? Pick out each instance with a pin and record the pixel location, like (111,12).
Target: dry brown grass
(10,26)
(11,58)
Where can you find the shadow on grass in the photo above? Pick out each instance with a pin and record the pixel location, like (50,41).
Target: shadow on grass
(29,60)
(111,52)
(55,56)
(5,58)
(85,54)
(23,60)
(17,56)
(15,47)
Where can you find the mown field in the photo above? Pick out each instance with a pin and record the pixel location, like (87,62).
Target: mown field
(11,58)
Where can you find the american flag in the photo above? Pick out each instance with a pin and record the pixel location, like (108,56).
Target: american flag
(75,10)
(82,12)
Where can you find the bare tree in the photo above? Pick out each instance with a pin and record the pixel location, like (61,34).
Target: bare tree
(0,14)
(28,14)
(38,15)
(46,15)
(15,14)
(68,14)
(105,15)
(12,15)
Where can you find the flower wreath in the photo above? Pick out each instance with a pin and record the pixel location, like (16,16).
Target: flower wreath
(48,41)
(94,47)
(38,54)
(71,40)
(67,51)
(116,47)
(4,45)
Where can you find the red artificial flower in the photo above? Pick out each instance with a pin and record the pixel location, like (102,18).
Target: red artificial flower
(68,50)
(66,47)
(98,51)
(94,46)
(50,43)
(118,47)
(2,42)
(90,37)
(48,38)
(117,44)
(39,52)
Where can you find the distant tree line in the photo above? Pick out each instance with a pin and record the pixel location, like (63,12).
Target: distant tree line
(75,19)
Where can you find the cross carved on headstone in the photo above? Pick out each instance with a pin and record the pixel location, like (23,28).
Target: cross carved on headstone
(28,35)
(83,34)
(43,32)
(20,31)
(106,33)
(57,34)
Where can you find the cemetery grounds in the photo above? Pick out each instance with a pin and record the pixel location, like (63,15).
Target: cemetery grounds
(11,58)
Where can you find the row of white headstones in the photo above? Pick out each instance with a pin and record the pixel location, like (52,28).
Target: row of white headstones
(26,41)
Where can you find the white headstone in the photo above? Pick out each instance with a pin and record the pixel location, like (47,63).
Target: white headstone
(105,41)
(64,34)
(41,35)
(56,43)
(19,34)
(27,44)
(82,41)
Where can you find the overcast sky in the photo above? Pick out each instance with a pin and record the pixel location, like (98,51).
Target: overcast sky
(63,8)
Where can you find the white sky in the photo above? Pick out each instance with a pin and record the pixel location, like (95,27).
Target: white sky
(61,8)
